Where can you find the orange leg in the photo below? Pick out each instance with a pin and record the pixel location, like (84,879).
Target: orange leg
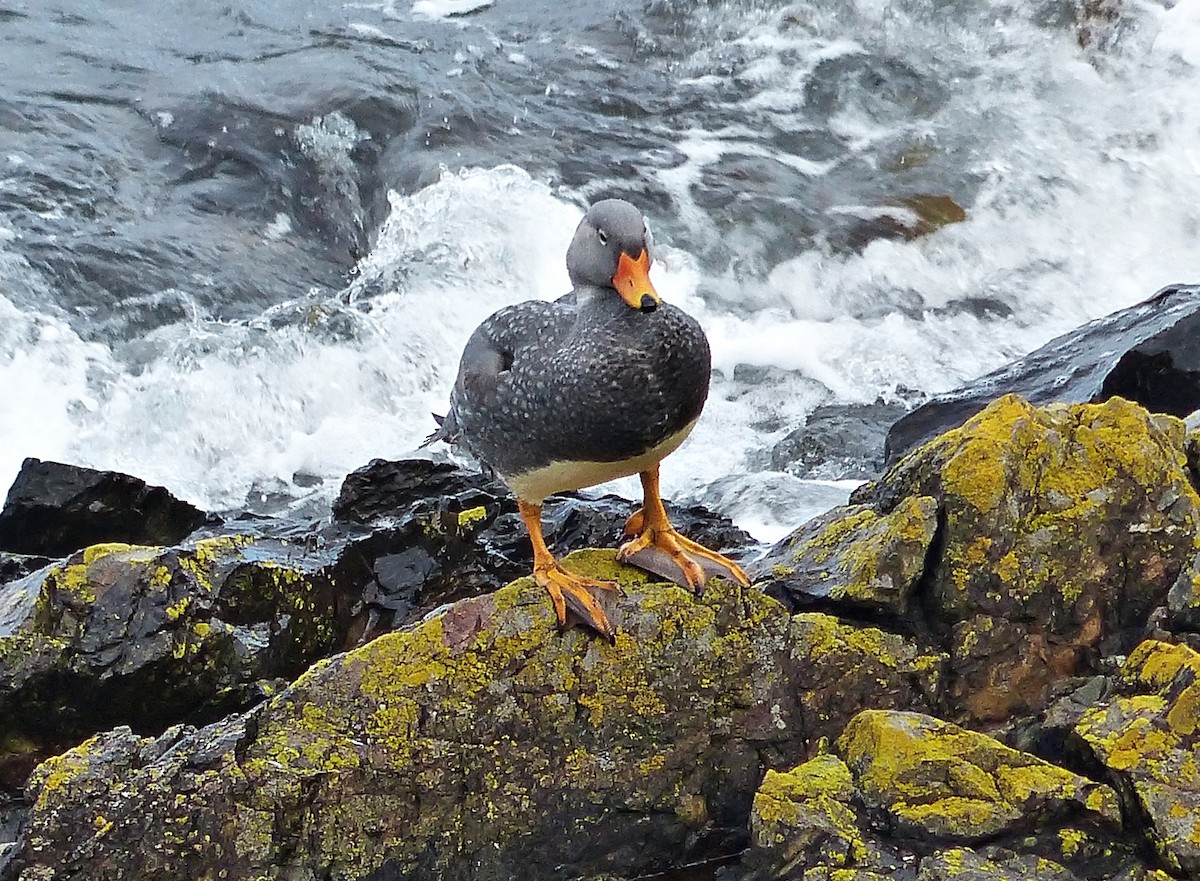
(656,534)
(568,591)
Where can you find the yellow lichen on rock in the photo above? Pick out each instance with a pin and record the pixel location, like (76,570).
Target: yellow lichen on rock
(809,807)
(1148,738)
(946,781)
(1065,523)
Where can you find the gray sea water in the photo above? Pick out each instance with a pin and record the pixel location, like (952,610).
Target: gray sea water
(242,244)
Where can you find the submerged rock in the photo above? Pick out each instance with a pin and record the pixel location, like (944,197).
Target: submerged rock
(480,744)
(1146,353)
(55,509)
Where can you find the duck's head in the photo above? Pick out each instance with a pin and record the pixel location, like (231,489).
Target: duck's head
(612,249)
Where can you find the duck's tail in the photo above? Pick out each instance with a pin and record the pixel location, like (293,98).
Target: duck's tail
(447,430)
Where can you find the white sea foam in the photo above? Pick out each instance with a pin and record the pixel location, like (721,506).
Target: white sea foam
(447,8)
(1089,200)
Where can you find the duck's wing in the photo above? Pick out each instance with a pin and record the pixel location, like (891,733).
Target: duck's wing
(482,390)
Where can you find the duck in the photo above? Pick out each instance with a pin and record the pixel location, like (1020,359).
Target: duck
(603,383)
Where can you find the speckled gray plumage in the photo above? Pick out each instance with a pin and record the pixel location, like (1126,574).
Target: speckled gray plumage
(585,378)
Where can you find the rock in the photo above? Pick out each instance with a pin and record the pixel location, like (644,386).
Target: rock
(1148,739)
(458,533)
(838,442)
(1026,546)
(964,864)
(936,781)
(151,636)
(54,509)
(841,668)
(900,785)
(1183,600)
(480,744)
(386,490)
(1052,733)
(145,636)
(810,819)
(1147,353)
(1063,528)
(854,558)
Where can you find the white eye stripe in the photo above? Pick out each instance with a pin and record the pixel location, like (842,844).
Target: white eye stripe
(603,236)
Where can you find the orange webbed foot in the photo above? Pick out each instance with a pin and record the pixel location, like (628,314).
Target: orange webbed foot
(660,549)
(571,593)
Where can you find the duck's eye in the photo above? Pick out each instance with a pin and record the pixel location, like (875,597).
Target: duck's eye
(603,236)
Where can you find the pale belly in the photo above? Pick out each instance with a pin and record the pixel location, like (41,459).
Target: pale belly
(534,486)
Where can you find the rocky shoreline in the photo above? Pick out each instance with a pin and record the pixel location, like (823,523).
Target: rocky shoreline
(987,666)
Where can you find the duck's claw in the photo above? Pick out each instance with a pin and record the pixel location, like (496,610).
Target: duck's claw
(571,593)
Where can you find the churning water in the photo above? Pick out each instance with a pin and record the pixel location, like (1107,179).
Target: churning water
(242,245)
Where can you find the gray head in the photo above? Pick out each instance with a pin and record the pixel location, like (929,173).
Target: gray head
(612,249)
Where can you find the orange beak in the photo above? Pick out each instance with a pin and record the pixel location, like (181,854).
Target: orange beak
(632,282)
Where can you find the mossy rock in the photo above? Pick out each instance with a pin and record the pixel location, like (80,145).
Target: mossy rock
(810,822)
(481,744)
(964,864)
(1149,739)
(842,668)
(1064,527)
(147,636)
(936,781)
(853,559)
(903,788)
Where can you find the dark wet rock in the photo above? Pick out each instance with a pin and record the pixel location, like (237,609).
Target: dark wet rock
(439,533)
(838,442)
(55,509)
(900,785)
(1063,528)
(1148,739)
(392,490)
(1148,353)
(14,566)
(480,744)
(13,812)
(853,559)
